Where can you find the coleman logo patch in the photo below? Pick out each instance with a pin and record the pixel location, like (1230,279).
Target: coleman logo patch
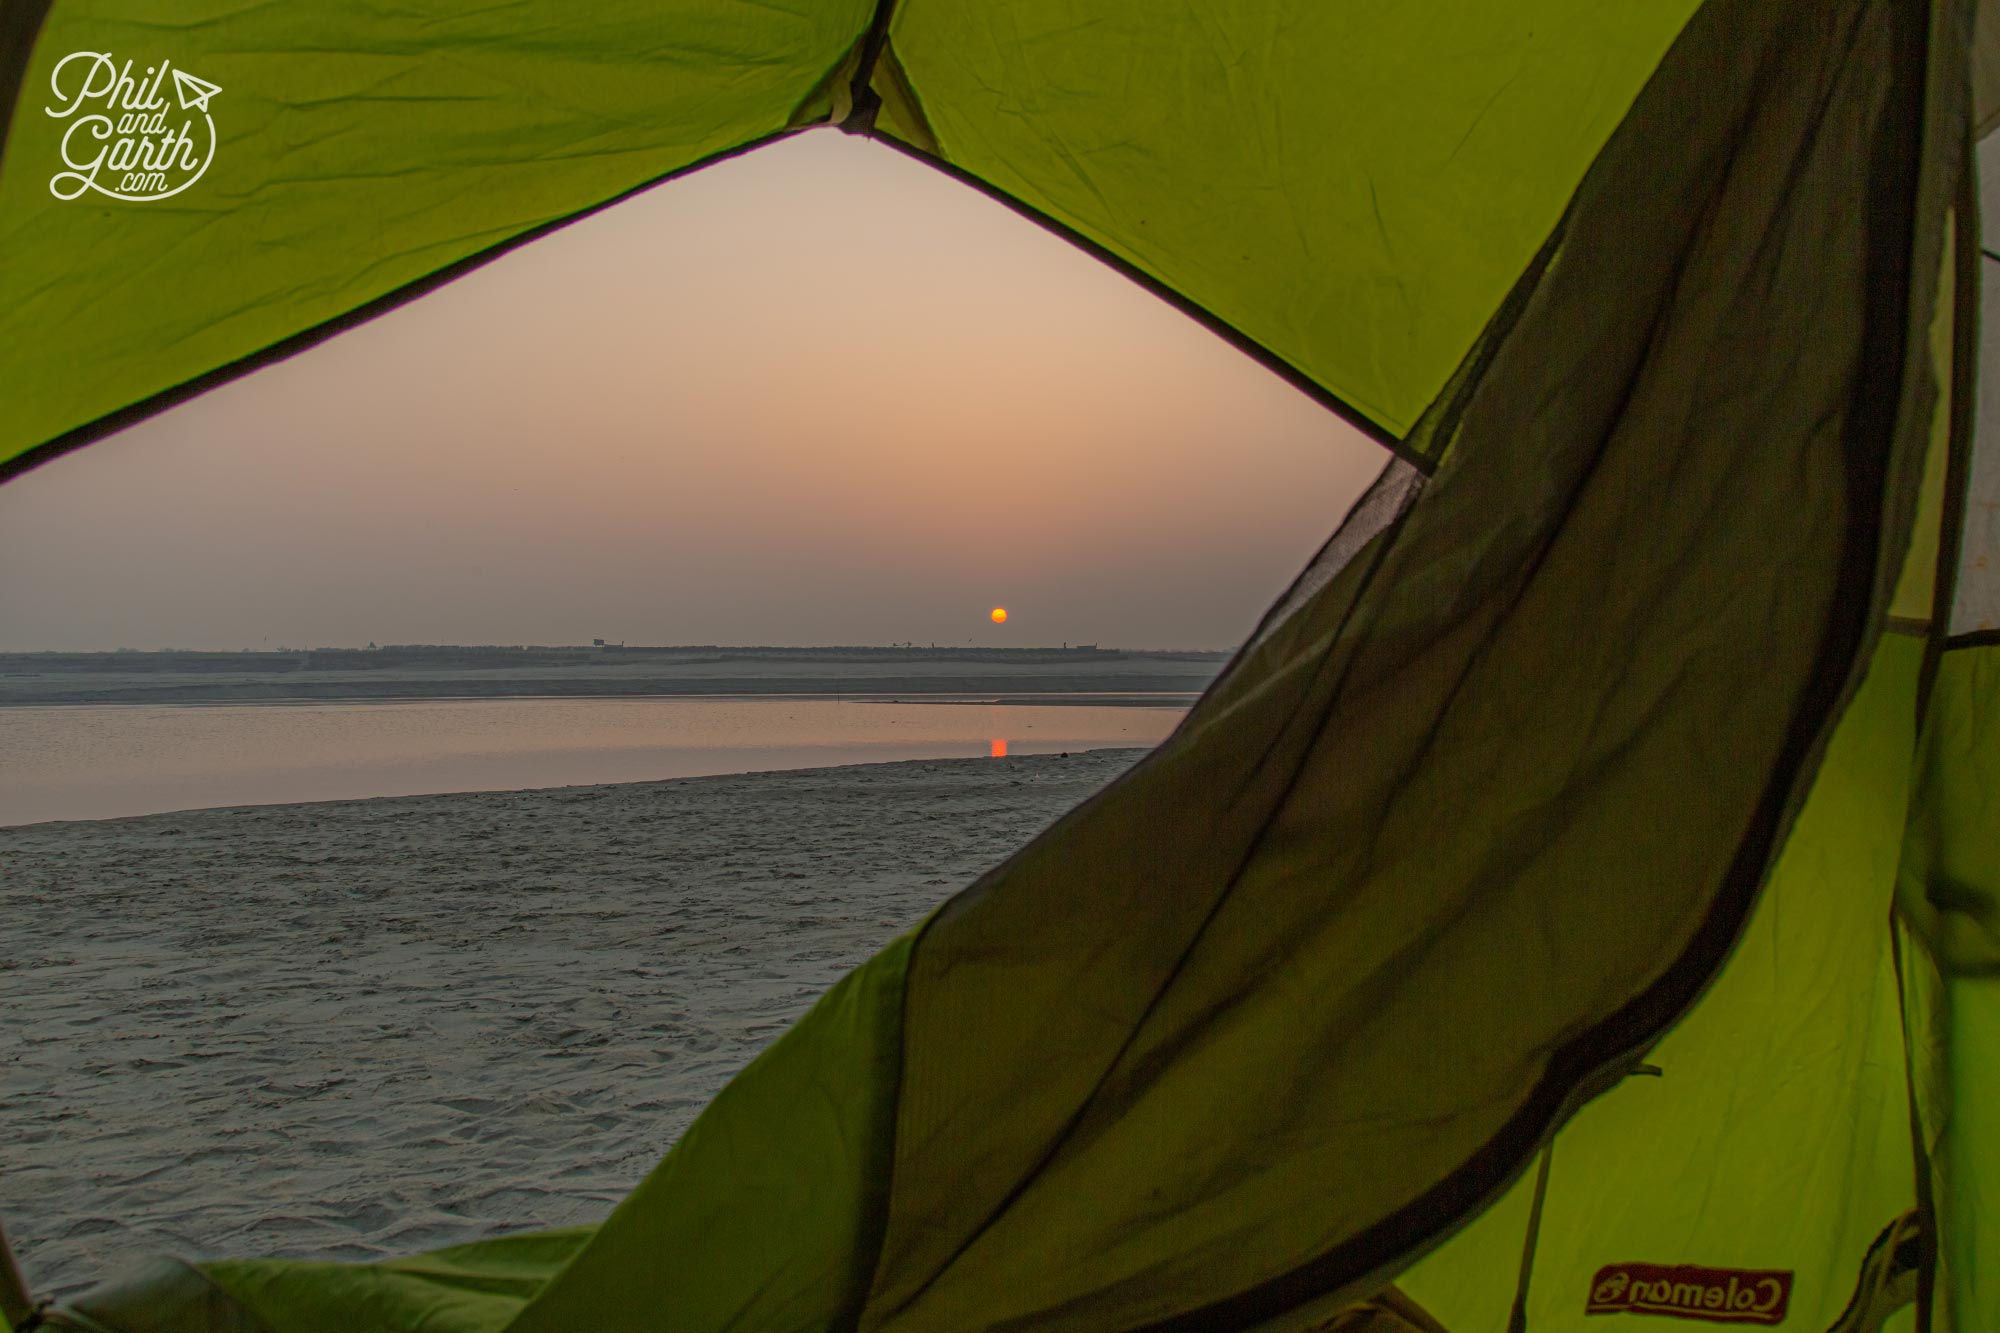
(1685,1291)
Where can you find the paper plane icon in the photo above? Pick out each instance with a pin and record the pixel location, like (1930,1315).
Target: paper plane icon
(194,93)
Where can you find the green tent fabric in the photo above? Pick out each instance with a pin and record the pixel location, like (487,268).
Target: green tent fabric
(1948,888)
(451,133)
(1615,791)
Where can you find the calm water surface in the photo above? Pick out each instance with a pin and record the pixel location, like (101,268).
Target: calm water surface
(106,761)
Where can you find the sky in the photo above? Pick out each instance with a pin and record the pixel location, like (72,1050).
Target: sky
(819,394)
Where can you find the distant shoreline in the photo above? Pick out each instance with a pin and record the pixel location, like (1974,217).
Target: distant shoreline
(1041,677)
(1110,699)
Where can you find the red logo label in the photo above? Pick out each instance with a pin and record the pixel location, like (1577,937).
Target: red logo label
(1686,1291)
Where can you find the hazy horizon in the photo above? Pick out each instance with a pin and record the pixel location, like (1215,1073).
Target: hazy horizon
(816,396)
(525,645)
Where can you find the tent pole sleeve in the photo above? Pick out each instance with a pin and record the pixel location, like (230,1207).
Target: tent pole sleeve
(1517,1318)
(864,102)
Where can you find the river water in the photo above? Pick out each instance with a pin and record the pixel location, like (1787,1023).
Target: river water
(108,761)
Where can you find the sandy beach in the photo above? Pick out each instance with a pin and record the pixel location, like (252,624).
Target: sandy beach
(355,1029)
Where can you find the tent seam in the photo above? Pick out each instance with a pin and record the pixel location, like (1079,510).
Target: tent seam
(1214,323)
(291,345)
(864,103)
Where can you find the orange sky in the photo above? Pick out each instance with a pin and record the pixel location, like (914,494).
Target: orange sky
(819,394)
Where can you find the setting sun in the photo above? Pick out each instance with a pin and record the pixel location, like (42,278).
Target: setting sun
(999,615)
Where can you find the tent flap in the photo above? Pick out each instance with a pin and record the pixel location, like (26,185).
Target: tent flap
(1529,760)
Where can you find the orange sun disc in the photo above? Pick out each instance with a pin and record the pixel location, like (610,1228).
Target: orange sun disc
(999,615)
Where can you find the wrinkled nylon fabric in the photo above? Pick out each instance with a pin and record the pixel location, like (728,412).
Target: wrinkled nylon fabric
(1353,186)
(1915,602)
(1986,67)
(1507,777)
(1797,1109)
(1785,1084)
(163,1296)
(466,1287)
(1949,892)
(1333,181)
(360,147)
(1976,603)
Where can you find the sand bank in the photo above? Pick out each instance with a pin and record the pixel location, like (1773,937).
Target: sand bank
(361,1028)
